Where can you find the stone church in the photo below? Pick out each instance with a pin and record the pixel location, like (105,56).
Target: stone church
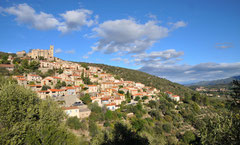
(37,53)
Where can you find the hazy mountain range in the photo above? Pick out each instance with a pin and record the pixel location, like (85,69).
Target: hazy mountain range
(225,81)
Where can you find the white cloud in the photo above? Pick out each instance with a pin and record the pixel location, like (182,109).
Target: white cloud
(164,55)
(75,19)
(72,20)
(127,36)
(156,58)
(70,51)
(178,24)
(199,72)
(224,45)
(59,50)
(27,15)
(1,9)
(125,60)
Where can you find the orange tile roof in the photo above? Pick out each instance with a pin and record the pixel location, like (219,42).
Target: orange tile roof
(138,94)
(169,92)
(68,88)
(19,76)
(93,98)
(34,85)
(117,98)
(56,90)
(43,91)
(104,99)
(111,104)
(7,65)
(75,75)
(175,96)
(21,79)
(56,77)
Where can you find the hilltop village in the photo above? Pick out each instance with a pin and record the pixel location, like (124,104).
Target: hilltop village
(74,85)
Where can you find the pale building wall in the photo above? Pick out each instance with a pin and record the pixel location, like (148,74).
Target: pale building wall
(47,54)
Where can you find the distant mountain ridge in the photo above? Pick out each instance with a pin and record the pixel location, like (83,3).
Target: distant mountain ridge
(216,82)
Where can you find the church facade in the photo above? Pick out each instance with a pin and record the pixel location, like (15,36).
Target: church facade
(38,53)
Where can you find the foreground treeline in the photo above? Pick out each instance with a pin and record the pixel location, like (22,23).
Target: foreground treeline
(25,119)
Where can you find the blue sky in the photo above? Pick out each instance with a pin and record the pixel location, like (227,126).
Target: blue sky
(183,41)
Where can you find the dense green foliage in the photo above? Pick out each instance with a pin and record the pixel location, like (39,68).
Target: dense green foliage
(26,67)
(4,57)
(86,99)
(124,136)
(73,123)
(25,119)
(45,87)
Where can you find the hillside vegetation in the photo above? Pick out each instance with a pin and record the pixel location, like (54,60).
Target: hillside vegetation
(145,78)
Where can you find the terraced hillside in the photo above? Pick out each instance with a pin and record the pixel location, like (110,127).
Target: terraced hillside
(145,78)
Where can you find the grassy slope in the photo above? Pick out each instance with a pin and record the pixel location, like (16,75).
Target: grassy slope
(145,78)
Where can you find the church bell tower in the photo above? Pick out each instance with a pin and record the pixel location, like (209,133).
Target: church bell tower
(51,50)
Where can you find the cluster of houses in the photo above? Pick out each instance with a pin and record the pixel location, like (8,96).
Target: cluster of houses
(68,86)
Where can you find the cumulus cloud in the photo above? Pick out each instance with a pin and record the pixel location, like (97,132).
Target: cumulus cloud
(127,36)
(27,15)
(75,19)
(224,45)
(177,24)
(58,50)
(72,20)
(156,58)
(199,72)
(165,64)
(125,60)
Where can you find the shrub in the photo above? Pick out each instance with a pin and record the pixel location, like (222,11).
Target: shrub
(167,127)
(73,123)
(188,137)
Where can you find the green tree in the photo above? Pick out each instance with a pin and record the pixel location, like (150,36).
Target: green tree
(188,137)
(64,84)
(167,127)
(25,64)
(34,65)
(45,87)
(84,66)
(144,97)
(86,99)
(124,136)
(58,85)
(73,123)
(236,93)
(25,119)
(137,98)
(221,129)
(93,129)
(108,115)
(120,91)
(137,124)
(60,71)
(17,60)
